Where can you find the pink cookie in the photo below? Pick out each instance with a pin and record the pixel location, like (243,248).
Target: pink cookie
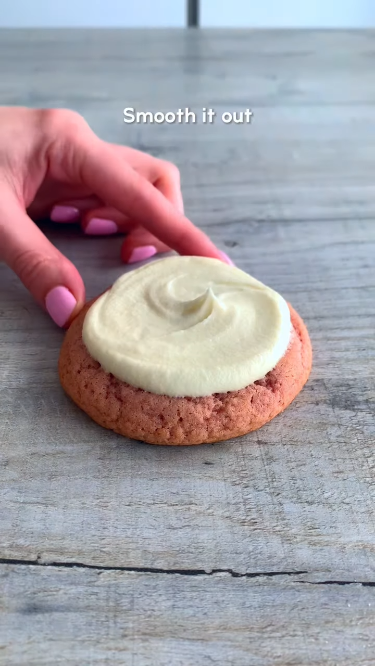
(159,419)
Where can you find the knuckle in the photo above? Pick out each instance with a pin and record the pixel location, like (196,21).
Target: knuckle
(170,170)
(31,265)
(68,136)
(58,120)
(74,126)
(62,126)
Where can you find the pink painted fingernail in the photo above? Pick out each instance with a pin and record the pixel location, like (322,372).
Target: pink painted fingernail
(142,253)
(100,227)
(64,214)
(227,259)
(60,304)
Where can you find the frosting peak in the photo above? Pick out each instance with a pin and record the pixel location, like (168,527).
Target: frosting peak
(188,326)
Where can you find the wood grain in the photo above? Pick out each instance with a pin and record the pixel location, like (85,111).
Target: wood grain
(158,620)
(291,199)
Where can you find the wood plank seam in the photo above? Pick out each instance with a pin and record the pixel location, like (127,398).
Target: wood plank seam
(184,572)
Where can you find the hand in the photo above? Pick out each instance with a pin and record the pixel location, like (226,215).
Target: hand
(52,164)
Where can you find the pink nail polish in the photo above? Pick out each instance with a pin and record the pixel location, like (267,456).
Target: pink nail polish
(100,227)
(64,214)
(60,304)
(142,253)
(227,259)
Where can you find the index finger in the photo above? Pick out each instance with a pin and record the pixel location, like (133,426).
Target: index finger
(97,165)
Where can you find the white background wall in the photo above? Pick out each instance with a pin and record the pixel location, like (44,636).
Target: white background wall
(288,13)
(172,13)
(92,13)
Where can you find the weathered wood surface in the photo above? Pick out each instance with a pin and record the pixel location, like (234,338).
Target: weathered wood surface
(83,616)
(292,199)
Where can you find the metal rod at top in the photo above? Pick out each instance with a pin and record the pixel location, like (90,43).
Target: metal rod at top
(193,13)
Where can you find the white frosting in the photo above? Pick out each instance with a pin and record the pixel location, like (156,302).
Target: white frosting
(188,326)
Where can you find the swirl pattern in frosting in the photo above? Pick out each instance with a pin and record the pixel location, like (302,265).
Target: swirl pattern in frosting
(188,327)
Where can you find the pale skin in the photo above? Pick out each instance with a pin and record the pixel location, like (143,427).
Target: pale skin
(53,165)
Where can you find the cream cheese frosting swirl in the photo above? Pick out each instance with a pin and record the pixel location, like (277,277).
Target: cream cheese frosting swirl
(188,327)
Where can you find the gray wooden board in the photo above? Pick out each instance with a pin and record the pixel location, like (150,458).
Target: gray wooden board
(292,199)
(115,617)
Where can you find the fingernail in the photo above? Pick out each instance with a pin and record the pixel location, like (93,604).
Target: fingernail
(227,259)
(142,253)
(60,304)
(100,227)
(64,214)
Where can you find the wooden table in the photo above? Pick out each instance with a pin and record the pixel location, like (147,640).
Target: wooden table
(255,552)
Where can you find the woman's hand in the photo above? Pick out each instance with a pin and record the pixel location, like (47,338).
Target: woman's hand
(53,165)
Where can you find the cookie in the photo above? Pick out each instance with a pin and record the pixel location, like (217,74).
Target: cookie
(160,419)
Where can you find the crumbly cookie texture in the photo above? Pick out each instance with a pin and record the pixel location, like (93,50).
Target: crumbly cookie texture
(159,419)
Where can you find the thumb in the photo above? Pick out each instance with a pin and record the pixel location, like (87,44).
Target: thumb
(50,277)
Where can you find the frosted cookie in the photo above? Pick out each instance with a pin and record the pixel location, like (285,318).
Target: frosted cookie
(185,350)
